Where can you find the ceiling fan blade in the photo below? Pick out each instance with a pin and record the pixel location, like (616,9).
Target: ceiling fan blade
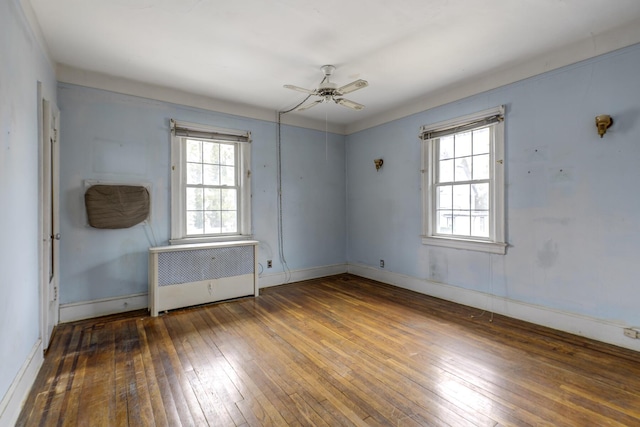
(313,104)
(353,86)
(300,89)
(349,104)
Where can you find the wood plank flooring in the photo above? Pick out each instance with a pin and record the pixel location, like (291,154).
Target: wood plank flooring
(336,351)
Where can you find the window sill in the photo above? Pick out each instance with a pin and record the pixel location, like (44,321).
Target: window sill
(471,245)
(190,240)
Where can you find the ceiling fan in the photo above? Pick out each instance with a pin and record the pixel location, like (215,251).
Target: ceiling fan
(329,91)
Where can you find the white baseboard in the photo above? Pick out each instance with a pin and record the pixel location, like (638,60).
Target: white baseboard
(12,402)
(102,307)
(589,327)
(274,279)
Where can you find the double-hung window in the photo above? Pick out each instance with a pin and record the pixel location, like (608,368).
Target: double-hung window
(210,185)
(463,182)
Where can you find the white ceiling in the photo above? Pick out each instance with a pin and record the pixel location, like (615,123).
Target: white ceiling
(410,51)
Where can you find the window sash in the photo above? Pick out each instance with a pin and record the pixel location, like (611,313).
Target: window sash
(204,211)
(436,184)
(202,163)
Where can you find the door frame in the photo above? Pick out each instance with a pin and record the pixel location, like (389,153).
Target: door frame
(48,191)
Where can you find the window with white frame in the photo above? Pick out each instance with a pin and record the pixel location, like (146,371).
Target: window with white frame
(210,184)
(463,182)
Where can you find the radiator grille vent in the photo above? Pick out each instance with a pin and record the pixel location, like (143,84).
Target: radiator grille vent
(204,264)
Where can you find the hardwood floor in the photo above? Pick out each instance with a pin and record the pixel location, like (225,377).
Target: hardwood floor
(336,351)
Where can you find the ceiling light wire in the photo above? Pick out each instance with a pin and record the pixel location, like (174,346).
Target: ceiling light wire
(326,136)
(283,260)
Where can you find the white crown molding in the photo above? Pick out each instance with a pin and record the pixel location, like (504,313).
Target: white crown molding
(96,80)
(585,326)
(596,45)
(36,30)
(14,398)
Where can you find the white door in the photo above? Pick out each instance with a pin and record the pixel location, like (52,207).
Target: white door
(50,219)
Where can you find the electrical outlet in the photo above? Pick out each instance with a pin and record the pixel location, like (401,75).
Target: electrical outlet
(631,333)
(381,263)
(269,263)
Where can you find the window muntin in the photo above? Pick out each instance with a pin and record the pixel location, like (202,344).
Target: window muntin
(463,182)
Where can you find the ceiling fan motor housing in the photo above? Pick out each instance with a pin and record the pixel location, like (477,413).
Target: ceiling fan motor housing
(327,89)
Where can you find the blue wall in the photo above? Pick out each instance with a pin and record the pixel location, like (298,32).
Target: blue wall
(23,65)
(573,206)
(113,137)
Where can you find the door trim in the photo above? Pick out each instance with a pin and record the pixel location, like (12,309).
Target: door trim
(48,162)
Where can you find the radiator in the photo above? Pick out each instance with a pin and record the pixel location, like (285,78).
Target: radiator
(186,275)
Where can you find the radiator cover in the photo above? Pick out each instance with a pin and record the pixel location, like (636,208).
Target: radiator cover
(186,275)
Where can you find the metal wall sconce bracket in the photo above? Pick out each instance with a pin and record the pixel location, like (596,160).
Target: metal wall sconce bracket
(603,122)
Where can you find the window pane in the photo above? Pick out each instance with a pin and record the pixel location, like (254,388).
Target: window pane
(446,147)
(213,224)
(195,222)
(462,223)
(212,199)
(444,222)
(481,167)
(229,200)
(194,199)
(481,140)
(463,169)
(228,175)
(445,194)
(445,170)
(480,223)
(229,221)
(461,196)
(227,155)
(463,144)
(194,173)
(211,153)
(194,150)
(480,196)
(211,174)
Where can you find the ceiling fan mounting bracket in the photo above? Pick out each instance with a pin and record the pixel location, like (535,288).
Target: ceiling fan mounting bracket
(328,70)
